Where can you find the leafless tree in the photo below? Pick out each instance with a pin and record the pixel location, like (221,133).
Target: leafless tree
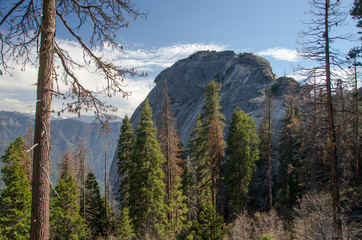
(258,227)
(28,25)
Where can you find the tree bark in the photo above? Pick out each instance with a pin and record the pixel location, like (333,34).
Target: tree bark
(356,123)
(41,181)
(270,192)
(332,133)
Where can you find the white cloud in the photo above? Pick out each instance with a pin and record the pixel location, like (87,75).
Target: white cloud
(17,92)
(280,54)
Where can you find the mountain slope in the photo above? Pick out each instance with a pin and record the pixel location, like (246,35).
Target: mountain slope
(64,134)
(244,78)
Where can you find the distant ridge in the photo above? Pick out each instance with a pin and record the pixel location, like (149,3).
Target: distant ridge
(64,133)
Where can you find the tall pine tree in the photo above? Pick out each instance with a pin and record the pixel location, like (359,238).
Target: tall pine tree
(201,187)
(291,167)
(242,153)
(125,147)
(15,199)
(177,209)
(65,219)
(170,142)
(146,186)
(209,225)
(95,212)
(207,145)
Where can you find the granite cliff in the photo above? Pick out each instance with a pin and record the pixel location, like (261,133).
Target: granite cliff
(244,78)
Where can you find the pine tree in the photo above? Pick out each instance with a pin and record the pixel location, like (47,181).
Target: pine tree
(170,142)
(210,225)
(207,145)
(146,186)
(79,165)
(318,46)
(177,209)
(199,159)
(94,207)
(125,147)
(65,219)
(266,145)
(242,153)
(291,166)
(15,199)
(125,226)
(27,163)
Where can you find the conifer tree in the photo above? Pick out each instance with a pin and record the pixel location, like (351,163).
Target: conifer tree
(177,209)
(65,219)
(125,147)
(242,153)
(210,225)
(266,145)
(317,45)
(15,198)
(146,186)
(207,145)
(79,165)
(125,226)
(291,167)
(94,207)
(27,163)
(200,168)
(170,142)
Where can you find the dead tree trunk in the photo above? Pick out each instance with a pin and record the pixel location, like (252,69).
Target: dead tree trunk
(332,154)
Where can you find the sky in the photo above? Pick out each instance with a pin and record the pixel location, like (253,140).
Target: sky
(174,30)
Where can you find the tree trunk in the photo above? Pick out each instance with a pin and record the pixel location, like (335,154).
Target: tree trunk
(356,122)
(41,182)
(270,192)
(332,155)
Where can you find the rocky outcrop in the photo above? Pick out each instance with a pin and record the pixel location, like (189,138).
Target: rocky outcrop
(244,78)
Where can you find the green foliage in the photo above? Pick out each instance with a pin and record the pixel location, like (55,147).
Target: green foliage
(125,150)
(267,237)
(146,185)
(242,153)
(94,218)
(65,219)
(15,198)
(210,225)
(356,12)
(207,148)
(290,147)
(177,211)
(125,226)
(199,160)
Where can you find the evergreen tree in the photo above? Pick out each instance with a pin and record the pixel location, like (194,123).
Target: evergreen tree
(242,153)
(15,198)
(291,167)
(94,207)
(125,227)
(177,210)
(65,219)
(210,225)
(125,147)
(79,170)
(200,168)
(27,163)
(207,145)
(188,188)
(170,142)
(146,186)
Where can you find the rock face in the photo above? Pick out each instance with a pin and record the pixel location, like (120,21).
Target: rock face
(244,78)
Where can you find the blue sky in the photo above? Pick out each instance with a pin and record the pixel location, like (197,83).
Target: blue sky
(174,30)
